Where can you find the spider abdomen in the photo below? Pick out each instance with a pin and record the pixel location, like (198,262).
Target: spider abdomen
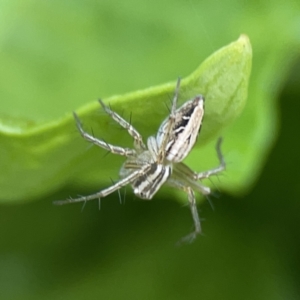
(150,182)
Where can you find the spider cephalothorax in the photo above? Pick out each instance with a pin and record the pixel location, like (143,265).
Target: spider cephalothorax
(147,168)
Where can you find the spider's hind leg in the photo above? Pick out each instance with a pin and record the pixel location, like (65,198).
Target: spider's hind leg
(115,187)
(193,207)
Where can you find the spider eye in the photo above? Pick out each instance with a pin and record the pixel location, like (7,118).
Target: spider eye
(187,123)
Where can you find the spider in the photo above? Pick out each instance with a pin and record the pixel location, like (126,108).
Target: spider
(148,167)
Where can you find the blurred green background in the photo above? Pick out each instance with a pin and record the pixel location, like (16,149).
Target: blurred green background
(76,51)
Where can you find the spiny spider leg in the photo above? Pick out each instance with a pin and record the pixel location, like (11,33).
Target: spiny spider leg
(169,128)
(218,169)
(193,207)
(100,143)
(138,140)
(183,174)
(127,180)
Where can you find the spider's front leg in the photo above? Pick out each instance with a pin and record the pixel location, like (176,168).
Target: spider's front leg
(100,143)
(167,127)
(218,169)
(138,140)
(178,133)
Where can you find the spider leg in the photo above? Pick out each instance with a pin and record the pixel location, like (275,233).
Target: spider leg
(219,168)
(170,125)
(100,143)
(138,140)
(129,179)
(183,174)
(193,207)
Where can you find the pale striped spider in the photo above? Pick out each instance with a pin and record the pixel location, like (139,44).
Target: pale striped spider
(147,168)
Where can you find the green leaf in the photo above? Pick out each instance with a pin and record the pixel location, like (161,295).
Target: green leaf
(44,158)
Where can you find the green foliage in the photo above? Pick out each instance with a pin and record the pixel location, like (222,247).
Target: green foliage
(59,56)
(47,156)
(55,60)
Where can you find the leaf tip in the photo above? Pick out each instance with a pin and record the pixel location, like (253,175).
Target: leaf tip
(244,41)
